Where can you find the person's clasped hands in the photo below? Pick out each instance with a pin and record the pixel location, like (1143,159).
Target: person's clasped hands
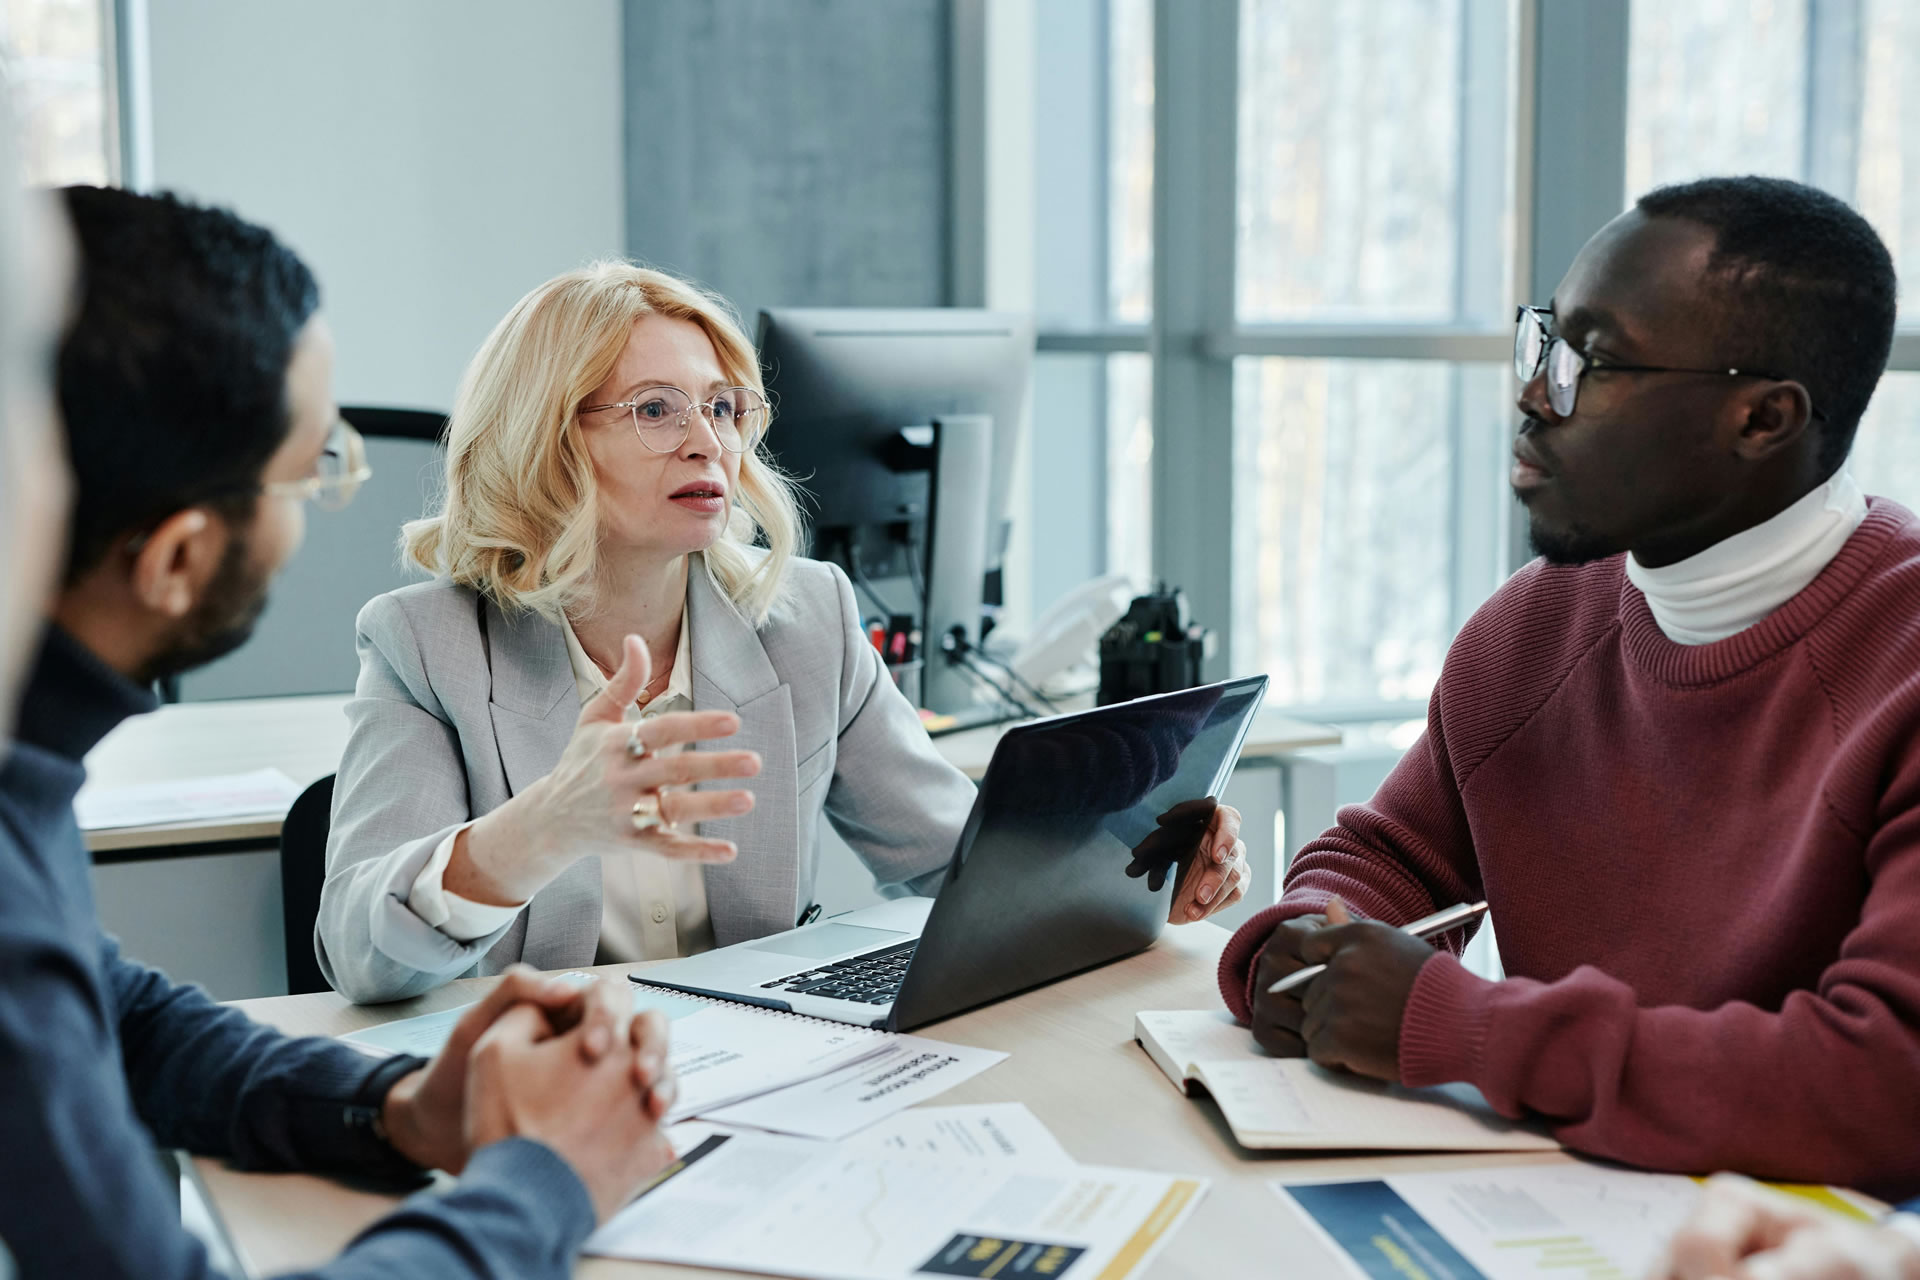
(1349,1017)
(562,1063)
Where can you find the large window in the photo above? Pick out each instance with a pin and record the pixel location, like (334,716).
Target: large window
(1280,243)
(1093,289)
(1346,516)
(1350,161)
(59,66)
(1372,189)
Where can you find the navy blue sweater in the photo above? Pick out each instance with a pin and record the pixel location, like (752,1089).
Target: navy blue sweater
(100,1058)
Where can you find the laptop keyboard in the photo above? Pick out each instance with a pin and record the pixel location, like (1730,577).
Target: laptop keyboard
(873,978)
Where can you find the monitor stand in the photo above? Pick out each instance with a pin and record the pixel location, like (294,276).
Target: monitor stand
(956,554)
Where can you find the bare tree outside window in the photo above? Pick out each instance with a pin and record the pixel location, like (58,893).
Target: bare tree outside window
(1352,211)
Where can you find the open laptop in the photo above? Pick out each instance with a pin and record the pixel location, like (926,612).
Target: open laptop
(1063,864)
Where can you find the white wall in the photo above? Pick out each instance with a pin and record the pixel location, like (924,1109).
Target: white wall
(432,160)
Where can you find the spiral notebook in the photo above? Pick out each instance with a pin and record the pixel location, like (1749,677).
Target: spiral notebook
(1291,1104)
(721,1052)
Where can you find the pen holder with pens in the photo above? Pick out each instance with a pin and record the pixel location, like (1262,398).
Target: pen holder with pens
(897,638)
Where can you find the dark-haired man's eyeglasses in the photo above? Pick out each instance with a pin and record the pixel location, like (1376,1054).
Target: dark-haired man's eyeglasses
(1536,346)
(663,417)
(337,476)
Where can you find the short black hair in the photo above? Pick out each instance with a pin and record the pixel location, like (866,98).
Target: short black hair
(1808,289)
(173,376)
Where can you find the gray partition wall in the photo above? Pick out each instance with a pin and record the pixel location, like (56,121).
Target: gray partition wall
(792,152)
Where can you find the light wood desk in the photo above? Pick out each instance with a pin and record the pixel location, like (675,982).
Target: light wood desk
(304,738)
(1073,1062)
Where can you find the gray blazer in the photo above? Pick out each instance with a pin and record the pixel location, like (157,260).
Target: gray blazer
(460,706)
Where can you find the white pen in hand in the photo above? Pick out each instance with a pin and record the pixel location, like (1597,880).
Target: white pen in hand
(1426,927)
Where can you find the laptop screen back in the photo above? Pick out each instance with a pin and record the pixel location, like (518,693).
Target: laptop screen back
(1069,858)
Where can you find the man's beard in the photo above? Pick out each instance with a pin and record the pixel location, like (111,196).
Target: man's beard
(221,622)
(1575,545)
(1569,545)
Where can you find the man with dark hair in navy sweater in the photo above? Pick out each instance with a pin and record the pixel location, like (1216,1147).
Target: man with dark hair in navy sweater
(195,383)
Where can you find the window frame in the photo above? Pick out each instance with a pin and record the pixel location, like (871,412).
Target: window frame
(1566,174)
(1194,334)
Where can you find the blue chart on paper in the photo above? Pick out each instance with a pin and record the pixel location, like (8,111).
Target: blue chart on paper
(1383,1235)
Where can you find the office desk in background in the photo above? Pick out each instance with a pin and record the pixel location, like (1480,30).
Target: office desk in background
(1073,1063)
(202,899)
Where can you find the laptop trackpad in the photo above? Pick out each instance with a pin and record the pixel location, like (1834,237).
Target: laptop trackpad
(827,940)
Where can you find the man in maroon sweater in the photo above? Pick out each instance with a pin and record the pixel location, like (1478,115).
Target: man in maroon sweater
(1678,752)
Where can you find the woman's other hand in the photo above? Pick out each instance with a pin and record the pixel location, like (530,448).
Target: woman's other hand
(612,791)
(1200,841)
(1216,870)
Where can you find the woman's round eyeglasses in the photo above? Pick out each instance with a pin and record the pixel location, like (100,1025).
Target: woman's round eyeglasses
(663,417)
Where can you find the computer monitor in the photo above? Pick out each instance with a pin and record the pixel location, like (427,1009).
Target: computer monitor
(856,393)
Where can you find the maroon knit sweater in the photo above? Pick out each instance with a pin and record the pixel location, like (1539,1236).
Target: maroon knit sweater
(1703,861)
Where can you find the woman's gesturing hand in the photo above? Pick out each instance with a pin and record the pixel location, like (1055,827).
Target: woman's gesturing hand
(612,790)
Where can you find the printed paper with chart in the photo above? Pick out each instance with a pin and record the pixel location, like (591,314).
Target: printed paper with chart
(1523,1222)
(795,1207)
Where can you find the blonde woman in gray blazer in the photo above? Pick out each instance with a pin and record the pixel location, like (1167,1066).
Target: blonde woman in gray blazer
(549,741)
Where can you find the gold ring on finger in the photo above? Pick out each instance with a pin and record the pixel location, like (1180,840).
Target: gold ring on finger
(647,815)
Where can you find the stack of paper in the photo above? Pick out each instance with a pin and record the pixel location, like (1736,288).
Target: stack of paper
(906,1070)
(264,791)
(765,1070)
(954,1191)
(722,1053)
(868,1190)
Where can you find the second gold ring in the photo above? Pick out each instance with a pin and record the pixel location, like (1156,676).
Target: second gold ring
(647,815)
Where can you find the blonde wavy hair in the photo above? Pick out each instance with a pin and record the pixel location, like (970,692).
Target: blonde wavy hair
(520,518)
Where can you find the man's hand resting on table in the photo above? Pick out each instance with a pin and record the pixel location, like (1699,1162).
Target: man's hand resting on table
(1349,1017)
(425,1112)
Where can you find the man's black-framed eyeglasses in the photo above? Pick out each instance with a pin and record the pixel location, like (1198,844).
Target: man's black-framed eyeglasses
(1536,346)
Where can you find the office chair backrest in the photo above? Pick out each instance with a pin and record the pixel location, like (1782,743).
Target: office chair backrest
(377,423)
(303,869)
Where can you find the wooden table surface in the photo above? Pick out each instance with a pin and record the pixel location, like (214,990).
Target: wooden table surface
(304,737)
(1073,1063)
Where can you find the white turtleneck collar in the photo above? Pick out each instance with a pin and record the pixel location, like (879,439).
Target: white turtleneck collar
(1738,581)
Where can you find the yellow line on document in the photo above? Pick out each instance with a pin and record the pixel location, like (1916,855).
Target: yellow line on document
(1171,1205)
(1007,1255)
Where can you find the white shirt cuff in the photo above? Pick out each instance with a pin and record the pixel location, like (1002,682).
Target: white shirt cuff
(461,919)
(1907,1224)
